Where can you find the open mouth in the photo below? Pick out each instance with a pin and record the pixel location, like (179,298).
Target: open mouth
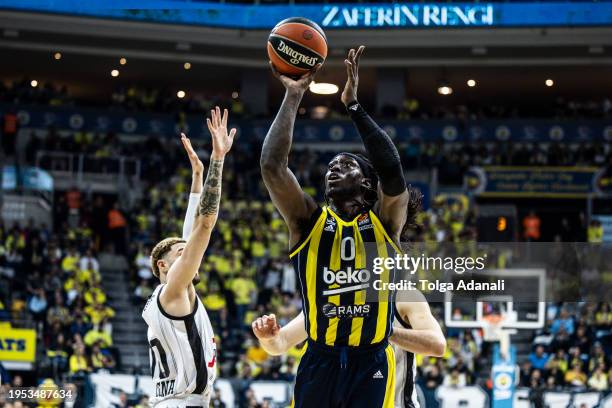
(333,177)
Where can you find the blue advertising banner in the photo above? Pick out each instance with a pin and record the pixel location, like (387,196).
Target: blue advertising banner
(606,223)
(504,378)
(320,131)
(533,181)
(30,178)
(390,15)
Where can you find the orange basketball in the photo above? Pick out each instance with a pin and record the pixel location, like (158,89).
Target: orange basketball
(296,45)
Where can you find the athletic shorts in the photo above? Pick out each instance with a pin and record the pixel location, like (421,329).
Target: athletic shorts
(343,377)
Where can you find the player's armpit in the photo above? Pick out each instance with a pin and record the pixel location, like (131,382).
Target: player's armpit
(425,335)
(392,211)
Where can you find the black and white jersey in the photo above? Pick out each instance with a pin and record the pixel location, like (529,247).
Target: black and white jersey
(405,371)
(182,351)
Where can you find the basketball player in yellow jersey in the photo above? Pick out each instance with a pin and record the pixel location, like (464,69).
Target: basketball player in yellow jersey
(349,362)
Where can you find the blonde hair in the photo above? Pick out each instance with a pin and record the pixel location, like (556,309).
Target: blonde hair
(160,250)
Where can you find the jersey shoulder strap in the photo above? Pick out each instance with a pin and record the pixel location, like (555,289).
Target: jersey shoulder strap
(317,217)
(151,306)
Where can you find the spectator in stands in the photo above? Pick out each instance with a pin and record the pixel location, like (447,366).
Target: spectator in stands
(117,229)
(79,326)
(57,353)
(531,227)
(79,365)
(216,401)
(564,320)
(599,379)
(89,262)
(582,340)
(101,360)
(595,232)
(142,292)
(58,312)
(525,373)
(37,305)
(576,377)
(538,358)
(603,315)
(455,379)
(597,357)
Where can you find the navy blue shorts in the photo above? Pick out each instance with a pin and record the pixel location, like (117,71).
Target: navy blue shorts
(342,377)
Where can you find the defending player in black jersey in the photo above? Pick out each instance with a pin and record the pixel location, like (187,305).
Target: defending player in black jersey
(349,362)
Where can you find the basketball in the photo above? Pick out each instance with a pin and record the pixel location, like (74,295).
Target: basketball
(296,45)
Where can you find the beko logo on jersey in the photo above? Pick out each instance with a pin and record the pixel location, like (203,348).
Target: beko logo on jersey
(330,310)
(358,278)
(164,388)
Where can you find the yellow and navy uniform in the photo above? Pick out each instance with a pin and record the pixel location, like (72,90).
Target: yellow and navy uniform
(348,361)
(335,245)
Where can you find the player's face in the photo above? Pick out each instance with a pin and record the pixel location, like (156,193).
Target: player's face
(343,178)
(175,252)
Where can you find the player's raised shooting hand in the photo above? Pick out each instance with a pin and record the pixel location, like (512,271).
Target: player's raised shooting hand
(221,140)
(296,86)
(349,94)
(265,327)
(196,164)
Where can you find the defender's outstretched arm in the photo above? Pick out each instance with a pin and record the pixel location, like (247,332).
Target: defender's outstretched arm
(425,335)
(197,171)
(294,205)
(183,269)
(276,340)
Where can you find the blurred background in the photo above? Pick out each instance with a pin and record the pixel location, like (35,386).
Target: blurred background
(501,111)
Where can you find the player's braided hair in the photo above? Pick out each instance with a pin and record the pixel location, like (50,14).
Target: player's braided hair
(415,204)
(160,250)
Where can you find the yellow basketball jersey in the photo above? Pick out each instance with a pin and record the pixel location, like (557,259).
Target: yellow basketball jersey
(334,265)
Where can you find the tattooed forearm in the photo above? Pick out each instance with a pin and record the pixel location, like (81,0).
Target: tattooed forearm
(211,194)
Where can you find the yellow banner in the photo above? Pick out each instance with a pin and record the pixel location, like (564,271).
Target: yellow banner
(17,344)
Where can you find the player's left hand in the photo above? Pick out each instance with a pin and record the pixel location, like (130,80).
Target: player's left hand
(221,140)
(196,164)
(266,327)
(349,94)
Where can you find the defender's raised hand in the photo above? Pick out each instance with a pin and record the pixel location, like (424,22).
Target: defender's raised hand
(196,164)
(349,94)
(221,140)
(296,86)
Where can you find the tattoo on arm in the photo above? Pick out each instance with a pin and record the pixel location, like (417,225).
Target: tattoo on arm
(277,144)
(211,194)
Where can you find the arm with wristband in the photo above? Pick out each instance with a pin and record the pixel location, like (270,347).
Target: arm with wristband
(197,182)
(393,195)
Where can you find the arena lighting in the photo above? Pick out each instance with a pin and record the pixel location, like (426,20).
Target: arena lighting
(115,73)
(57,56)
(471,83)
(320,112)
(34,83)
(187,65)
(323,88)
(445,90)
(235,95)
(180,94)
(123,61)
(549,82)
